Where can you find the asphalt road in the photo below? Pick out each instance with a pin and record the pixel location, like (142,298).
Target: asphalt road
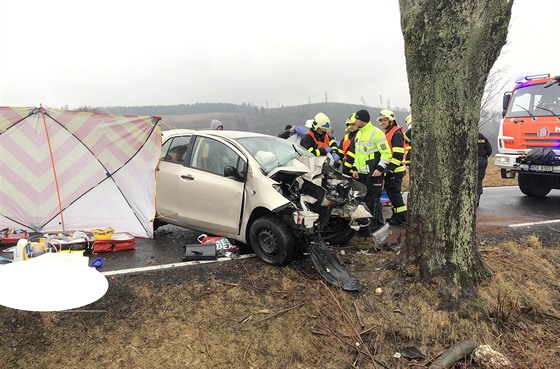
(498,206)
(509,206)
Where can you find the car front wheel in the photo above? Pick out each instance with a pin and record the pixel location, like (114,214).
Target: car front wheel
(272,240)
(337,231)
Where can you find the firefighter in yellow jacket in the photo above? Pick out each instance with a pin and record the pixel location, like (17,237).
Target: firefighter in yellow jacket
(371,158)
(396,168)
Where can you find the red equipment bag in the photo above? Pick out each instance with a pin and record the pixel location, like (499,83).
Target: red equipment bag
(11,237)
(118,242)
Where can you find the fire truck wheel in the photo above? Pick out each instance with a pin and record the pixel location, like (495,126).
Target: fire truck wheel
(534,185)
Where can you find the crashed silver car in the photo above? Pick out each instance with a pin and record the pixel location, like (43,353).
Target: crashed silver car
(257,189)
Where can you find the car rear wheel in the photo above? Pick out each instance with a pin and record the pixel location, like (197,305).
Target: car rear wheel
(272,240)
(157,223)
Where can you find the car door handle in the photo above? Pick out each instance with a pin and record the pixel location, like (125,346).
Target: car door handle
(187,176)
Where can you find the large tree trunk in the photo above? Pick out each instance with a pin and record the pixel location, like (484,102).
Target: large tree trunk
(450,47)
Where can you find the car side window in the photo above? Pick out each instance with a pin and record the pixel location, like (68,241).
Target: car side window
(174,150)
(213,156)
(165,149)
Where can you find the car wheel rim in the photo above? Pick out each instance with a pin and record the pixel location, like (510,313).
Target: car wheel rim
(267,242)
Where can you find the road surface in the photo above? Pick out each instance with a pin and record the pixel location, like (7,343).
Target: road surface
(498,206)
(509,206)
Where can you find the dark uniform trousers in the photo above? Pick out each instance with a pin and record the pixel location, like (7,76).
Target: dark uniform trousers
(371,199)
(393,186)
(482,164)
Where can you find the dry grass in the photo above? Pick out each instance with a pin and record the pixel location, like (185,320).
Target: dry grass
(250,315)
(493,178)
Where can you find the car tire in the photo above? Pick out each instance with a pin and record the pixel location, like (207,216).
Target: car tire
(534,185)
(337,232)
(272,240)
(156,224)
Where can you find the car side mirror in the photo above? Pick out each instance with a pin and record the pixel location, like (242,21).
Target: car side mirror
(505,103)
(552,81)
(232,172)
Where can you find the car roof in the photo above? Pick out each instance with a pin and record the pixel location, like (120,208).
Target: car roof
(230,134)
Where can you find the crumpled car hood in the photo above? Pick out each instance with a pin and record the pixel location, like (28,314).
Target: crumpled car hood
(324,190)
(307,167)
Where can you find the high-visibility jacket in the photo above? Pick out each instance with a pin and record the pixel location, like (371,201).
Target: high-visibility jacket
(347,147)
(316,144)
(347,140)
(395,138)
(371,150)
(408,146)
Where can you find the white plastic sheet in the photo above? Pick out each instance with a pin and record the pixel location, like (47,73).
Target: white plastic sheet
(50,283)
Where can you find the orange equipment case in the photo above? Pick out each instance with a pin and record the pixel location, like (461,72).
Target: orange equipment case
(118,242)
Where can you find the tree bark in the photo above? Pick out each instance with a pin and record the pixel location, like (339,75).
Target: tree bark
(450,47)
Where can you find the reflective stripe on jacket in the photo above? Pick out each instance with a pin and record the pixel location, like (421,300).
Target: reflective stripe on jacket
(395,138)
(347,148)
(408,146)
(316,145)
(372,150)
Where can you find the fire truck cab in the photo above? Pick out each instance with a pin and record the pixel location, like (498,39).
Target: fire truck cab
(529,135)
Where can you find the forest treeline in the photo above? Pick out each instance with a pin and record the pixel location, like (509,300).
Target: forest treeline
(248,117)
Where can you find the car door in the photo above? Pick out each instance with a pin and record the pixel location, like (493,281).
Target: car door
(207,200)
(173,153)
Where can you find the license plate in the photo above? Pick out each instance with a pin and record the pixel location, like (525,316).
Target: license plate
(540,168)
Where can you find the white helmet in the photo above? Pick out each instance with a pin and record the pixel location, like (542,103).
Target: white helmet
(408,121)
(385,113)
(321,121)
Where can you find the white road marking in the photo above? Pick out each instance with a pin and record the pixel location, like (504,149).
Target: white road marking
(534,223)
(174,265)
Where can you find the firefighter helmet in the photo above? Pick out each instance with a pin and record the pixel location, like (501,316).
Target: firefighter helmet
(386,114)
(408,121)
(350,121)
(321,121)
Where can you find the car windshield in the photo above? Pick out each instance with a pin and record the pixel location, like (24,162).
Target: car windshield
(272,152)
(535,101)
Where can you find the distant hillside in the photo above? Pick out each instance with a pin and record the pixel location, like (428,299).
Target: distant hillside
(249,118)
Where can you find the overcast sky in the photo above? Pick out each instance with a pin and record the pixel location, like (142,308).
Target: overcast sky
(124,52)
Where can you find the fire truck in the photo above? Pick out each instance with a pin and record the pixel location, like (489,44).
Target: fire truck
(529,135)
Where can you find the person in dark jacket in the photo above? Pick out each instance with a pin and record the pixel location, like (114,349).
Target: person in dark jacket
(287,132)
(484,151)
(317,141)
(396,169)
